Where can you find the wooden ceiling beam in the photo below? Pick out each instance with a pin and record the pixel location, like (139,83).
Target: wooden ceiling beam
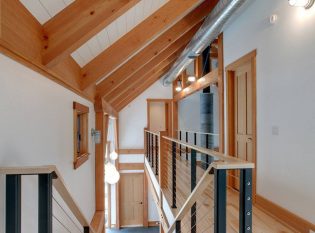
(138,90)
(131,43)
(76,24)
(176,48)
(156,47)
(136,80)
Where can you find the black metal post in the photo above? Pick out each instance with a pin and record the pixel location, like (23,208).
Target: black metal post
(13,204)
(219,201)
(180,146)
(156,156)
(195,139)
(178,226)
(149,147)
(152,150)
(147,138)
(193,175)
(207,146)
(86,230)
(174,175)
(245,217)
(45,203)
(186,146)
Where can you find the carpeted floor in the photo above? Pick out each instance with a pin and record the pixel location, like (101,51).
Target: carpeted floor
(134,230)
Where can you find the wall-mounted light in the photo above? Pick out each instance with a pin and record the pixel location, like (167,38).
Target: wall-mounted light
(191,79)
(307,4)
(179,86)
(96,135)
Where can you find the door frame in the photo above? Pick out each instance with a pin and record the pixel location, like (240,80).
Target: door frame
(230,84)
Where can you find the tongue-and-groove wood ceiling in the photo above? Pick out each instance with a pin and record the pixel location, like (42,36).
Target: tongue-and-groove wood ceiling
(110,49)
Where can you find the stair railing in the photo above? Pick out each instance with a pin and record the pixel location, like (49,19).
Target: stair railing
(48,177)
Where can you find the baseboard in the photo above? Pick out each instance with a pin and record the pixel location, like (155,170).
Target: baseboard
(154,223)
(285,216)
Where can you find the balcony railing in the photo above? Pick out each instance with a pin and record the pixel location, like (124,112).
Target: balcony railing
(197,188)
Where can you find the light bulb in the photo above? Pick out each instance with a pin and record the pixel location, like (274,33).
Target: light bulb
(178,88)
(113,155)
(302,3)
(112,176)
(191,78)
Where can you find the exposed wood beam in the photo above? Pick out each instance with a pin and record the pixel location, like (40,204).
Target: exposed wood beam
(136,91)
(155,48)
(138,80)
(76,24)
(173,51)
(100,105)
(21,38)
(126,47)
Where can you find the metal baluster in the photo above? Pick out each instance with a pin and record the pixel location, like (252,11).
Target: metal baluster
(178,226)
(152,150)
(13,204)
(193,175)
(156,156)
(186,146)
(207,146)
(219,201)
(45,203)
(245,217)
(195,139)
(149,147)
(180,146)
(174,175)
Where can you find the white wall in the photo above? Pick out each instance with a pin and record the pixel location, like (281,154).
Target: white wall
(133,118)
(285,99)
(36,128)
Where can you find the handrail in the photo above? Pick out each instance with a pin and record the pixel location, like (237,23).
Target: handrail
(224,162)
(58,183)
(202,133)
(151,132)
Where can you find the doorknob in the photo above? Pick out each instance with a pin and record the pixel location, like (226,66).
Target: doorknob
(141,203)
(249,139)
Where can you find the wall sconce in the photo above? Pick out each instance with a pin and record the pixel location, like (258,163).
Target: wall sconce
(179,86)
(307,4)
(96,135)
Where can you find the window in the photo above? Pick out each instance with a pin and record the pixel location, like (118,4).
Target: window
(80,134)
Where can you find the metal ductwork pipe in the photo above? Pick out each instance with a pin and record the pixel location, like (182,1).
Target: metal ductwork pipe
(208,32)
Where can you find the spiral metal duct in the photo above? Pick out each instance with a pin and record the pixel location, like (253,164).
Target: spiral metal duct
(209,31)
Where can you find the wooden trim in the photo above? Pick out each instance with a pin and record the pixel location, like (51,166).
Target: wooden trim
(198,67)
(145,201)
(97,223)
(80,107)
(221,92)
(80,160)
(131,151)
(159,100)
(131,166)
(242,60)
(250,57)
(116,128)
(285,216)
(109,199)
(200,84)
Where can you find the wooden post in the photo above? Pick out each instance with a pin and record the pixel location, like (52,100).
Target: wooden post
(174,119)
(221,92)
(163,171)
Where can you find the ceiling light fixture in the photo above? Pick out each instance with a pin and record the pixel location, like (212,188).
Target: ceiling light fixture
(191,79)
(113,155)
(307,4)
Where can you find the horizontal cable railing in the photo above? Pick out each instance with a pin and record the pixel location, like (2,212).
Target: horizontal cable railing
(202,185)
(49,180)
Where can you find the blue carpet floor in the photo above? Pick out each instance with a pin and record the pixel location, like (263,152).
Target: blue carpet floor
(134,230)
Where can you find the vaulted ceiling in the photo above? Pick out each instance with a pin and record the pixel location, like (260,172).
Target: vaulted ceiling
(110,49)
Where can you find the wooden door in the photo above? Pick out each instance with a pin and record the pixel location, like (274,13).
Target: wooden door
(241,113)
(243,96)
(131,199)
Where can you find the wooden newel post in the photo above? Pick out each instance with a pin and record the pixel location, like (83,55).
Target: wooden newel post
(163,171)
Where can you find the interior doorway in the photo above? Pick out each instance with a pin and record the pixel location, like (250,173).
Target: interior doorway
(131,199)
(241,112)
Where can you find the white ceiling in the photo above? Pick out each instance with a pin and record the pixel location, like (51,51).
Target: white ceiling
(43,10)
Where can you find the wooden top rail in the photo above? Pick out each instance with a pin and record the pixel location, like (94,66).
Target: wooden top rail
(58,183)
(223,162)
(151,132)
(202,133)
